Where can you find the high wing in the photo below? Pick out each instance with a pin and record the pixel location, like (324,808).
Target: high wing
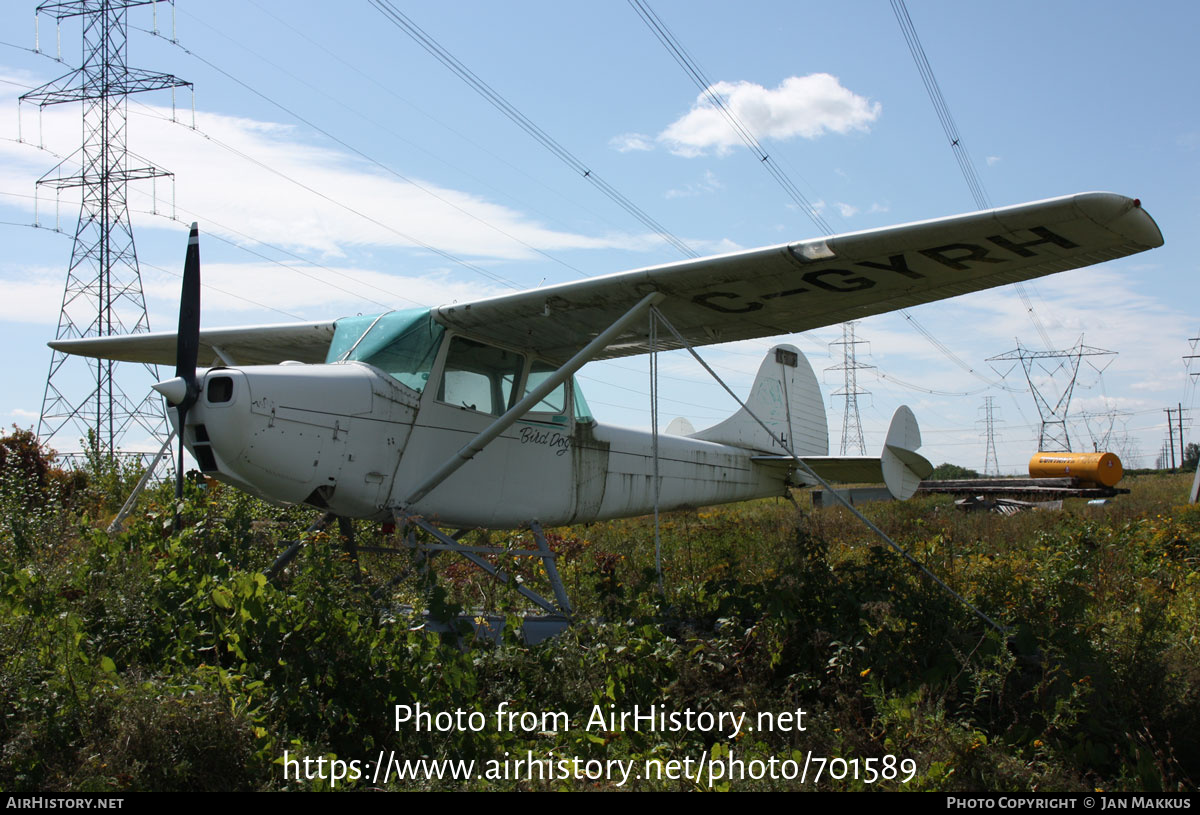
(757,293)
(798,286)
(248,345)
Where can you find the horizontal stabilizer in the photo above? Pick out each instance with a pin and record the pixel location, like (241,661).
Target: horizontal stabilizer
(899,466)
(903,467)
(838,469)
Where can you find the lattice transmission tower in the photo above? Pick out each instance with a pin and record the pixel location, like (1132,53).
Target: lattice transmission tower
(103,294)
(991,465)
(1063,368)
(852,435)
(1102,427)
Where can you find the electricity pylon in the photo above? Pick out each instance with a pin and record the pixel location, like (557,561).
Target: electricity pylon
(852,435)
(103,294)
(1053,436)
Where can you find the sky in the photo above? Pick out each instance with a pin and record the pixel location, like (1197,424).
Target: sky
(336,168)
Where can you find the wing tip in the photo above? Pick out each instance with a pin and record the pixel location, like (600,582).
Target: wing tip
(1121,214)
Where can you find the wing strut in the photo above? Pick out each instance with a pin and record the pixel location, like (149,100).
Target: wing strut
(532,398)
(118,523)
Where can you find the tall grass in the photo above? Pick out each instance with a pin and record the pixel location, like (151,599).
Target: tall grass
(152,660)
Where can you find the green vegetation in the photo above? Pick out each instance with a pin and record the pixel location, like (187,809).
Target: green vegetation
(1191,457)
(952,472)
(146,660)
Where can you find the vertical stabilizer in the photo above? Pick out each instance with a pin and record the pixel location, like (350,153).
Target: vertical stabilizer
(787,398)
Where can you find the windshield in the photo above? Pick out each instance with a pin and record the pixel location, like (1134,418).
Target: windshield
(403,344)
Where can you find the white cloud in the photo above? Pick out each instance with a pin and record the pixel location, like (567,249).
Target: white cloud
(268,283)
(707,185)
(721,247)
(992,160)
(263,179)
(629,142)
(32,296)
(264,291)
(805,106)
(846,210)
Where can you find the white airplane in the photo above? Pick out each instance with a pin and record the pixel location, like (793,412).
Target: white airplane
(468,414)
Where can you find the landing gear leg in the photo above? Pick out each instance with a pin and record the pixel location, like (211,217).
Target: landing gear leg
(346,529)
(534,628)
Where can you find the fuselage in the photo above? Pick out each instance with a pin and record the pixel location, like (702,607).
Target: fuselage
(357,440)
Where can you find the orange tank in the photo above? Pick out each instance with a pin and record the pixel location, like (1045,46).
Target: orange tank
(1097,468)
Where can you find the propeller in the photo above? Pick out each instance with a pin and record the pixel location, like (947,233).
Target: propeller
(184,389)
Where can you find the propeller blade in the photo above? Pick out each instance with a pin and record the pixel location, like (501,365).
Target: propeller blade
(185,389)
(187,346)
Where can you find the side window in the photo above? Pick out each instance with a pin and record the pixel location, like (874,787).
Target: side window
(556,401)
(480,377)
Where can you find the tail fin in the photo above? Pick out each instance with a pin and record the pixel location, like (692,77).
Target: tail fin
(903,468)
(787,398)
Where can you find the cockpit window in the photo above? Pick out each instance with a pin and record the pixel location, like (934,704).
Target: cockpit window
(403,344)
(559,400)
(556,401)
(480,377)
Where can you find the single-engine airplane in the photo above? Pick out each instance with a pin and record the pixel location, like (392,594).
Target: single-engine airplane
(469,413)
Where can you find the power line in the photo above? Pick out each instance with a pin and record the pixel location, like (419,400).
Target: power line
(879,372)
(707,88)
(217,237)
(230,230)
(961,156)
(386,168)
(946,352)
(689,65)
(493,97)
(506,192)
(357,212)
(428,247)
